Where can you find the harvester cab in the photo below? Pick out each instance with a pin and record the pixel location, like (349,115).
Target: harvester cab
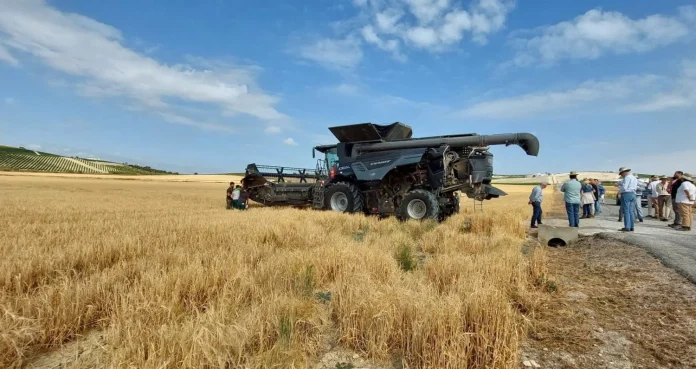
(329,163)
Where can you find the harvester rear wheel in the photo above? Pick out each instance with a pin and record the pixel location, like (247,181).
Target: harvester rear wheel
(419,205)
(344,198)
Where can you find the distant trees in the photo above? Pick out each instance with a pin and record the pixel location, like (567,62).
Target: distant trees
(149,169)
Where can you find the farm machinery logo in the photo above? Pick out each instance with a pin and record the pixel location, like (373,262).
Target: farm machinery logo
(381,162)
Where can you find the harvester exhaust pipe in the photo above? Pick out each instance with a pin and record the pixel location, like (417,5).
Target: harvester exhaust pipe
(527,141)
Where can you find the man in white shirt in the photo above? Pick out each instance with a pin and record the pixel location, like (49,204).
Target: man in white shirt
(686,196)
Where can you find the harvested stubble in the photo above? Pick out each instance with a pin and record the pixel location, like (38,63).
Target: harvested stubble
(172,279)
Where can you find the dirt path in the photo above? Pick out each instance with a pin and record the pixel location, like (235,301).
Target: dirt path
(615,306)
(95,169)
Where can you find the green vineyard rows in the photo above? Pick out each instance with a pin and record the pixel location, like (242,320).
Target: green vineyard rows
(16,159)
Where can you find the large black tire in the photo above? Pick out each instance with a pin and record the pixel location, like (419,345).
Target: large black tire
(344,198)
(419,205)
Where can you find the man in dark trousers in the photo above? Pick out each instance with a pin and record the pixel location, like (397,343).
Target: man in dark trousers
(229,195)
(677,181)
(241,202)
(535,200)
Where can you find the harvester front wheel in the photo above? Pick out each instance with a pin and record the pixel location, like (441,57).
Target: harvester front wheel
(419,205)
(343,197)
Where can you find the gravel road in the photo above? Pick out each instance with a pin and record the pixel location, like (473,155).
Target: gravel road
(675,249)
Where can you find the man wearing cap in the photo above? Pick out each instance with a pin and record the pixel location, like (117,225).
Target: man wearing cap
(535,200)
(664,199)
(571,196)
(627,194)
(686,198)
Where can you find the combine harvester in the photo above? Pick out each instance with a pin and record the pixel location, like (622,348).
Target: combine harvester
(380,169)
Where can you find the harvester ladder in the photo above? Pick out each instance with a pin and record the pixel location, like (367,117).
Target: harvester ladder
(318,197)
(478,205)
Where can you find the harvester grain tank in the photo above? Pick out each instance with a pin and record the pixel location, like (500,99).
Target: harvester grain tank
(381,169)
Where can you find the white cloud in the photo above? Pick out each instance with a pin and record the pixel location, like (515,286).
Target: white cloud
(272,129)
(179,119)
(598,32)
(661,102)
(290,141)
(536,103)
(333,53)
(93,53)
(394,25)
(634,93)
(6,57)
(393,46)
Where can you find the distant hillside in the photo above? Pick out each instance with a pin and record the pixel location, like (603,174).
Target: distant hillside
(20,159)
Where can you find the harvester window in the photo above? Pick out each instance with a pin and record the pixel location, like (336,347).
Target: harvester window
(331,158)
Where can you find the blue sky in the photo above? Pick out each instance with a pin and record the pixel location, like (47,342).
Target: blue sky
(210,86)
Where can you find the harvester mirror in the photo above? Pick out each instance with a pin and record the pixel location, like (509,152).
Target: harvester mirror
(313,153)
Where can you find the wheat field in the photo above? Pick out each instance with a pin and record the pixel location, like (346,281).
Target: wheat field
(168,278)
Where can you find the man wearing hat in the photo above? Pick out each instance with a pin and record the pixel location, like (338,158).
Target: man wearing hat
(627,193)
(571,196)
(535,200)
(686,198)
(664,199)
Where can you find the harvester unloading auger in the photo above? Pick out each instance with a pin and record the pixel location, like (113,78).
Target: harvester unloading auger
(380,169)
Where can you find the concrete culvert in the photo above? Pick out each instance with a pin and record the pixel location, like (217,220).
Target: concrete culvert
(555,242)
(557,236)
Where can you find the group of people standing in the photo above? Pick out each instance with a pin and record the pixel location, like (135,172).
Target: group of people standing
(589,195)
(675,195)
(680,190)
(237,197)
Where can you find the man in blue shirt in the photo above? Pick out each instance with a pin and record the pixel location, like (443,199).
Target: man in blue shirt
(638,207)
(627,194)
(535,200)
(571,196)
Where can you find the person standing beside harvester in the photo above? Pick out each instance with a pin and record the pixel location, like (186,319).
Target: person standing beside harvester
(627,194)
(535,200)
(235,196)
(571,196)
(229,195)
